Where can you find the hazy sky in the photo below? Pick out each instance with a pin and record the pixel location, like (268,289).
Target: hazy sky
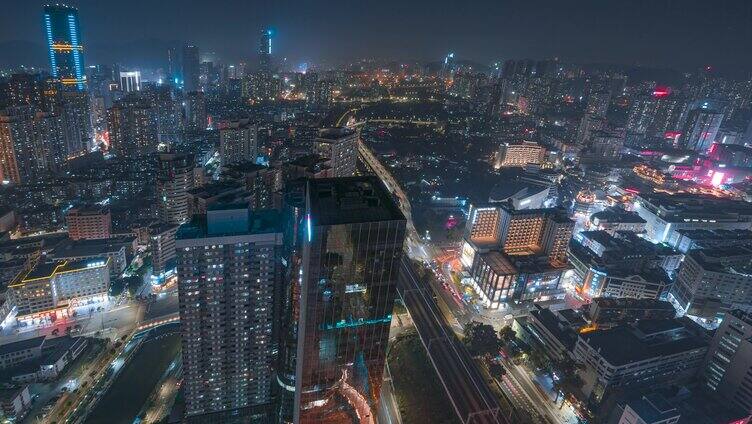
(674,33)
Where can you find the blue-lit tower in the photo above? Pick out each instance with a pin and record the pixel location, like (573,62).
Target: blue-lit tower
(63,37)
(265,49)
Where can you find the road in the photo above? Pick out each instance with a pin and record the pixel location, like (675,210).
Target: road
(388,408)
(544,405)
(471,398)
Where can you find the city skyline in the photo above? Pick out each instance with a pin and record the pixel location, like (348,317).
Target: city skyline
(376,213)
(663,34)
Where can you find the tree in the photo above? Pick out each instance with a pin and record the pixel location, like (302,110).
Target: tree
(538,359)
(567,380)
(481,339)
(507,334)
(496,370)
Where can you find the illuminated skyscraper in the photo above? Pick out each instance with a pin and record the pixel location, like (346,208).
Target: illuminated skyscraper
(174,68)
(64,45)
(130,81)
(352,246)
(701,128)
(174,180)
(191,68)
(265,49)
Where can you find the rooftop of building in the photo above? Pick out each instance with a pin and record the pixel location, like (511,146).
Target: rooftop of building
(652,408)
(310,161)
(161,228)
(53,349)
(89,210)
(244,167)
(350,200)
(628,303)
(718,259)
(235,124)
(328,135)
(741,315)
(44,269)
(694,206)
(231,219)
(500,263)
(515,189)
(652,327)
(523,143)
(620,245)
(716,234)
(559,325)
(74,248)
(617,214)
(10,393)
(645,341)
(557,213)
(215,189)
(656,275)
(20,345)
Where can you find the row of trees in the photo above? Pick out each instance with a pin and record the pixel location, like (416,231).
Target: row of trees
(482,340)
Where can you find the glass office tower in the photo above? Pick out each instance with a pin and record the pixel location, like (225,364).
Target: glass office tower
(352,235)
(64,46)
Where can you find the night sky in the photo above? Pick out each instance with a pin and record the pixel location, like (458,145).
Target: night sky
(682,34)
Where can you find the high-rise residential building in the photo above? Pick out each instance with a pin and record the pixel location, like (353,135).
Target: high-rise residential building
(191,68)
(169,116)
(238,142)
(261,183)
(133,127)
(75,108)
(130,81)
(195,111)
(99,81)
(162,246)
(340,146)
(657,112)
(89,223)
(23,90)
(265,49)
(598,103)
(64,46)
(228,264)
(32,143)
(174,67)
(318,93)
(352,234)
(174,180)
(727,372)
(701,129)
